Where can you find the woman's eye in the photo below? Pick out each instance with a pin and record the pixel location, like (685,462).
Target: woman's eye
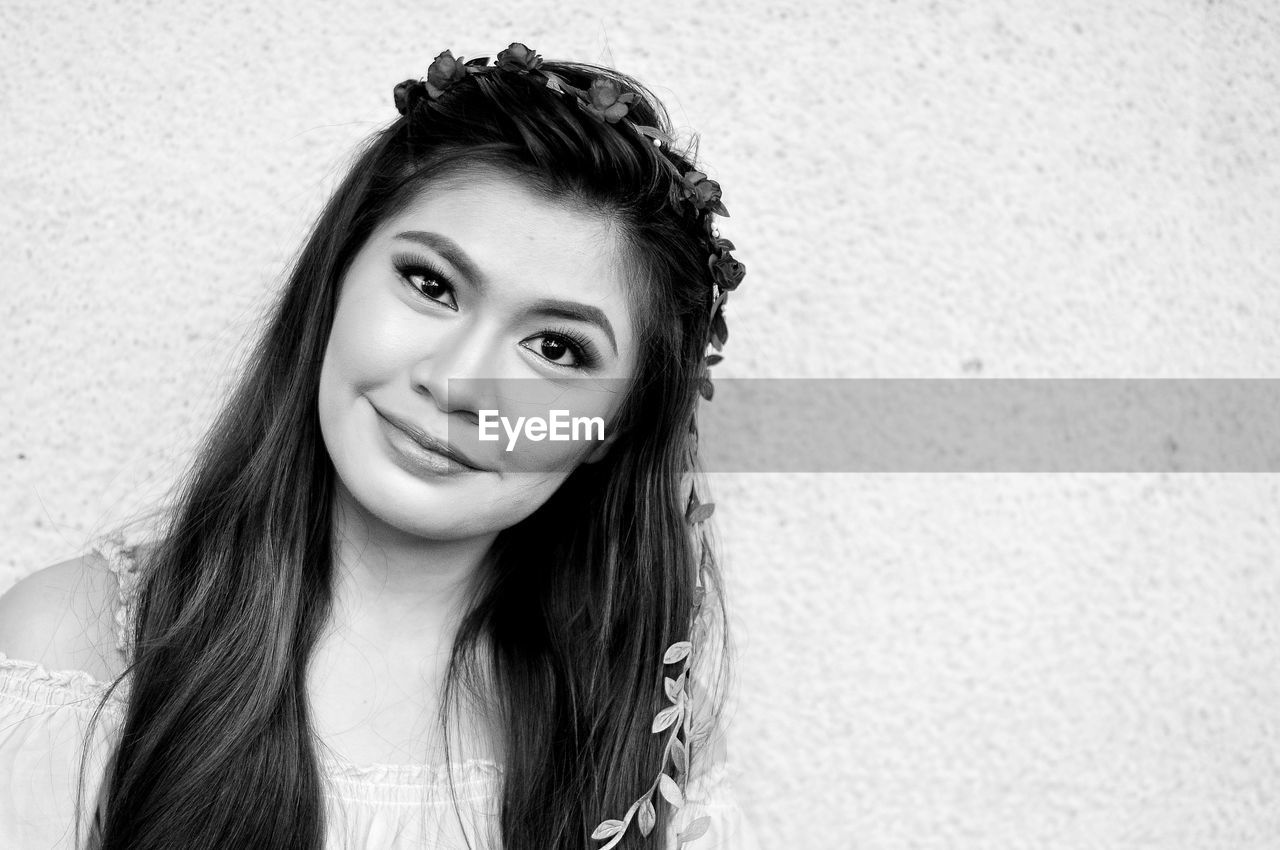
(432,285)
(558,349)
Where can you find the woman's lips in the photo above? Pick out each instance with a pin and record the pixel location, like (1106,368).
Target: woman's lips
(421,450)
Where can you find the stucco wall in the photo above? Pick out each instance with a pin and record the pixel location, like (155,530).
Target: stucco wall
(990,189)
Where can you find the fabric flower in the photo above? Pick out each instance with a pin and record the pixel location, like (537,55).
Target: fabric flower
(727,271)
(407,95)
(606,102)
(704,193)
(518,57)
(444,72)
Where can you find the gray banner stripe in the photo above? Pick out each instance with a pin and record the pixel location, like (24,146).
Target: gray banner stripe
(992,425)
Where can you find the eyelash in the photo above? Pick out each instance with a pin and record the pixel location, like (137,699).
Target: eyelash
(578,344)
(415,266)
(583,351)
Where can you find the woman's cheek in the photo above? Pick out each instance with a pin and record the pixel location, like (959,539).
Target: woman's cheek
(372,340)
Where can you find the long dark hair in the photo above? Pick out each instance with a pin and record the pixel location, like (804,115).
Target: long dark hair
(580,599)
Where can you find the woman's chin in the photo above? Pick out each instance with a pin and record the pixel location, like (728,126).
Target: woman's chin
(450,510)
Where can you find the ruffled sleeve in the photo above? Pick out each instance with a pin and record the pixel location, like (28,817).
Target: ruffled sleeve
(48,729)
(44,719)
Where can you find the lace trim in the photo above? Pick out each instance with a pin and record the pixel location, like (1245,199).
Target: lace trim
(37,683)
(467,771)
(121,556)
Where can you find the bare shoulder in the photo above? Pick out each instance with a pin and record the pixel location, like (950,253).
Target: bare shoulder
(63,617)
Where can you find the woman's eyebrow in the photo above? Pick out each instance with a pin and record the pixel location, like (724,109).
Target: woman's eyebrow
(554,308)
(450,250)
(574,311)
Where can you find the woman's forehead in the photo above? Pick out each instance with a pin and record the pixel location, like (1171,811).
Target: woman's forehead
(513,235)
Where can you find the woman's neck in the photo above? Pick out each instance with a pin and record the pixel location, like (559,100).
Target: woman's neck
(377,671)
(396,585)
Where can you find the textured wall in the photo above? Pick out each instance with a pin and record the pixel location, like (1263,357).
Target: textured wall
(991,189)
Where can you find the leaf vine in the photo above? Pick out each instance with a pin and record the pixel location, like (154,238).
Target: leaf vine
(675,720)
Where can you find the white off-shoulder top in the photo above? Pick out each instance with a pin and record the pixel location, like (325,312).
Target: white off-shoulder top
(45,716)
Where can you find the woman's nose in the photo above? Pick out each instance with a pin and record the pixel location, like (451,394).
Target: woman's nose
(458,369)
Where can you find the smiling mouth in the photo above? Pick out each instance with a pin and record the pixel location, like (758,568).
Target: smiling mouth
(429,443)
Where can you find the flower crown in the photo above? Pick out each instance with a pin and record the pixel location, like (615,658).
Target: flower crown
(699,198)
(605,101)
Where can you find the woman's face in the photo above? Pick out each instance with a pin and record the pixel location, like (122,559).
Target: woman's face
(480,296)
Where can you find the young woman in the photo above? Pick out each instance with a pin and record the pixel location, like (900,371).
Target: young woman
(366,625)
